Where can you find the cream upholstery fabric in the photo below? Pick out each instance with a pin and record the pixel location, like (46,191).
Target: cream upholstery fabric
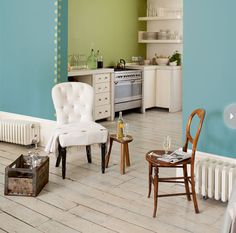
(73,102)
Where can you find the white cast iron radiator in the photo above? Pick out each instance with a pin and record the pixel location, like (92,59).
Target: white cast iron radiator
(19,132)
(214,178)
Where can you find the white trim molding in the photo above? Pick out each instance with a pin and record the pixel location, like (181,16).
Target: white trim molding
(46,126)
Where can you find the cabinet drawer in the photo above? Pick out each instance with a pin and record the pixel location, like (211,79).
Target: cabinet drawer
(101,78)
(102,87)
(102,112)
(102,99)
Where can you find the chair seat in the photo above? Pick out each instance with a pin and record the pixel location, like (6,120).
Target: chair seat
(82,133)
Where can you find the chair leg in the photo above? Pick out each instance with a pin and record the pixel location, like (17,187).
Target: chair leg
(62,154)
(193,192)
(58,159)
(109,153)
(150,180)
(88,151)
(156,176)
(186,183)
(103,154)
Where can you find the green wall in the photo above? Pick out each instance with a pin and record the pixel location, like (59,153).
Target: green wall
(209,77)
(109,25)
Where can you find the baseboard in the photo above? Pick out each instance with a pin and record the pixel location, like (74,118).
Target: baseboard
(46,126)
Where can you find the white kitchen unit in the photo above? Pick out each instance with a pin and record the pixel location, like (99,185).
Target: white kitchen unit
(102,82)
(162,87)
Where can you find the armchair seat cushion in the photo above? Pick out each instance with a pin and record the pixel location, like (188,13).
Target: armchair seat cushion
(77,134)
(83,133)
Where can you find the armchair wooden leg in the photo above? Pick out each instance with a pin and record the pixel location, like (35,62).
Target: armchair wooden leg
(186,183)
(62,154)
(150,180)
(58,159)
(156,176)
(193,192)
(109,152)
(88,151)
(103,154)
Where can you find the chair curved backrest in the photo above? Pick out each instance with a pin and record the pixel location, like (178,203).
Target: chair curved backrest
(73,102)
(200,113)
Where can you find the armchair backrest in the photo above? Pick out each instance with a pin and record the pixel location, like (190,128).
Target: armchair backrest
(200,113)
(73,102)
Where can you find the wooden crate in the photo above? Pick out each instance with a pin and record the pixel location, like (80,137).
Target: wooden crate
(21,180)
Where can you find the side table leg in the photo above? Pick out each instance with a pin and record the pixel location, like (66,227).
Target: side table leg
(122,159)
(127,155)
(109,153)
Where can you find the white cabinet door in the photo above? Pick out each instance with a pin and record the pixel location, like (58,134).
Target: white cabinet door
(149,85)
(163,85)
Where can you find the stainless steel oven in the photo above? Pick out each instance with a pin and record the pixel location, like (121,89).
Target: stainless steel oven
(128,89)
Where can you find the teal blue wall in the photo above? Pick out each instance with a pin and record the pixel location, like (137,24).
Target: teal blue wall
(27,56)
(209,76)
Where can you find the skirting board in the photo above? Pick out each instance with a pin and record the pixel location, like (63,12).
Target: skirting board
(46,126)
(203,155)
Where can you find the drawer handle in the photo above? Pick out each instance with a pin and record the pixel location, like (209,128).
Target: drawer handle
(100,99)
(106,111)
(100,112)
(105,98)
(99,88)
(105,87)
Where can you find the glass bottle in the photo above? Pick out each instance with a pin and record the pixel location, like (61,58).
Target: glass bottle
(120,127)
(99,60)
(92,60)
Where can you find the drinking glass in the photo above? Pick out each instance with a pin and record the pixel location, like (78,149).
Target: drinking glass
(126,130)
(166,144)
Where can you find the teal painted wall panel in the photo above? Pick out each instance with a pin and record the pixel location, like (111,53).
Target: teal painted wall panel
(209,74)
(27,52)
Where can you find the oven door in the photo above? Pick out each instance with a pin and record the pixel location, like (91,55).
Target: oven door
(128,90)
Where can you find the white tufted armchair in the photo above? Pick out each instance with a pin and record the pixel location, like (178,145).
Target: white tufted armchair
(73,102)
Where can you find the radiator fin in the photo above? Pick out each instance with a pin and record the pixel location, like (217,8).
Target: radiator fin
(19,132)
(214,179)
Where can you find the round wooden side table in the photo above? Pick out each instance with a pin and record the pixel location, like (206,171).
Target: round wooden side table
(124,153)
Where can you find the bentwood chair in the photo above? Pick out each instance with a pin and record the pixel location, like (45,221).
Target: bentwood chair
(155,164)
(73,102)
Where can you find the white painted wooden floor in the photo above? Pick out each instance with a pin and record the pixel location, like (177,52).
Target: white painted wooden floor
(91,202)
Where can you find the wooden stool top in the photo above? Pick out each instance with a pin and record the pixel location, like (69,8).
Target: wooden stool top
(128,138)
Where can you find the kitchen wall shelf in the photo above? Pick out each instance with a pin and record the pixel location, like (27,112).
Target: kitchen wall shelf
(156,18)
(161,41)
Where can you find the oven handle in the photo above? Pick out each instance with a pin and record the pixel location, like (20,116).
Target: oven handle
(124,82)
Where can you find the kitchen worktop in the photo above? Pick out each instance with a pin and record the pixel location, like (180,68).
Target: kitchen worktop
(89,72)
(151,67)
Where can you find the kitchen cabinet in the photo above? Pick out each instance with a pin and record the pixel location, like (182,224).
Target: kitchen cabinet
(162,87)
(149,88)
(102,82)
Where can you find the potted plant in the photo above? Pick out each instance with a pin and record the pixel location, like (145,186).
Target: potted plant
(175,59)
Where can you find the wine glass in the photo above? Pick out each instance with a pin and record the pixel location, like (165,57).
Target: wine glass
(126,130)
(166,144)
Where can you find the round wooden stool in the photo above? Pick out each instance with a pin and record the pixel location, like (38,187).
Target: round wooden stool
(124,153)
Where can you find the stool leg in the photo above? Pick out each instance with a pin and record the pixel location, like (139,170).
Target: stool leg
(150,180)
(156,176)
(127,155)
(122,159)
(109,152)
